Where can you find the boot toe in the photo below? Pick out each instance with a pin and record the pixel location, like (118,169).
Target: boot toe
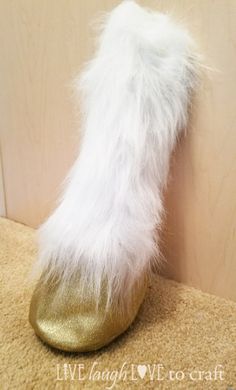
(67,323)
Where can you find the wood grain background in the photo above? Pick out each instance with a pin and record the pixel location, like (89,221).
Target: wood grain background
(43,44)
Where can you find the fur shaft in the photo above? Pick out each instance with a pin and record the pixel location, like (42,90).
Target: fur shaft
(136,93)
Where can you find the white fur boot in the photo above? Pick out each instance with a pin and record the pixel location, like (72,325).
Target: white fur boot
(96,248)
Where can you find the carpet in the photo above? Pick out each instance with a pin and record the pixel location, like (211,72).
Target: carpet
(181,339)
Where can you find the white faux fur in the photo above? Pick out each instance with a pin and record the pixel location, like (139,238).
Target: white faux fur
(136,95)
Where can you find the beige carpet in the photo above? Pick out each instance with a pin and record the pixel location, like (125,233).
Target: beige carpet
(190,335)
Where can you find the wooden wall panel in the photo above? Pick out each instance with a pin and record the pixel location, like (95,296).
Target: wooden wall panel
(2,190)
(43,44)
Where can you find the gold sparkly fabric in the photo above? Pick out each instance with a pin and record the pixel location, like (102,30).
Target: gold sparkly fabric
(64,321)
